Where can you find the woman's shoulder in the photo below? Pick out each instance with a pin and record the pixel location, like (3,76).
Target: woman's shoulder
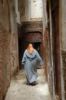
(25,51)
(35,50)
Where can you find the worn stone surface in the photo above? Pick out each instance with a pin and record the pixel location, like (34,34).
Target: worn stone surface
(18,89)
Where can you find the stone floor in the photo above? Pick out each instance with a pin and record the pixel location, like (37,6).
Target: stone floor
(18,89)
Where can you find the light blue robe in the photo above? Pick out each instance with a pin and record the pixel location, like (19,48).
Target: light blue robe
(30,62)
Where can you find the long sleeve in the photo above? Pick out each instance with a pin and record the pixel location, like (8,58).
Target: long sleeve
(24,58)
(39,58)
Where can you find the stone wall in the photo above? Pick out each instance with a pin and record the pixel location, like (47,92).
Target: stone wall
(4,61)
(4,49)
(4,14)
(31,10)
(64,69)
(14,53)
(13,39)
(63,38)
(8,48)
(63,24)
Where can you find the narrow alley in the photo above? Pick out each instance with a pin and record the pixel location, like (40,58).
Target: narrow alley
(42,23)
(19,90)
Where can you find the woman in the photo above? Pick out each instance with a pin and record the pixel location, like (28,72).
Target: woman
(31,59)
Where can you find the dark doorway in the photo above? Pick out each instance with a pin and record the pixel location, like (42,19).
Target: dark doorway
(30,31)
(37,46)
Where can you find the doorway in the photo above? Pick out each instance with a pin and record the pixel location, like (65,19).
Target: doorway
(37,46)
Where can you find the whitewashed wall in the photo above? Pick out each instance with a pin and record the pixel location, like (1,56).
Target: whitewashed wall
(33,10)
(36,9)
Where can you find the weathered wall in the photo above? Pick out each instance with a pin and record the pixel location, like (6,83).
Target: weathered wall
(13,39)
(8,48)
(31,9)
(63,24)
(63,38)
(36,7)
(4,52)
(4,61)
(4,15)
(14,53)
(63,30)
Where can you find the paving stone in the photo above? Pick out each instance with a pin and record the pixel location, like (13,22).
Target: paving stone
(19,90)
